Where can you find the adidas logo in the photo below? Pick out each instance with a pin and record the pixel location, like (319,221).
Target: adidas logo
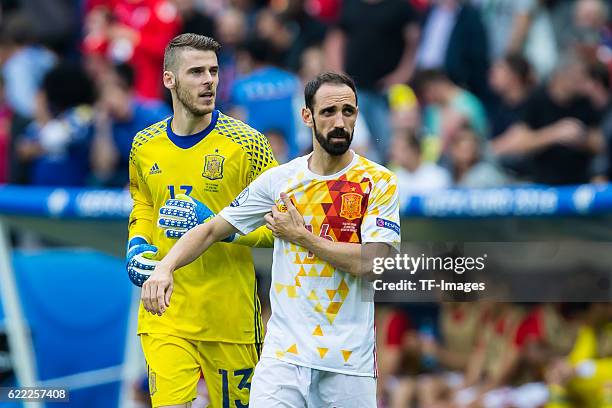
(155,169)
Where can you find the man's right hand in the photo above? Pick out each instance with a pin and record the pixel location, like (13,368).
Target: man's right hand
(570,132)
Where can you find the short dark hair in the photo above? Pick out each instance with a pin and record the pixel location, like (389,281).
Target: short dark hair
(17,29)
(427,76)
(313,86)
(521,67)
(599,73)
(412,137)
(125,73)
(67,85)
(188,40)
(259,49)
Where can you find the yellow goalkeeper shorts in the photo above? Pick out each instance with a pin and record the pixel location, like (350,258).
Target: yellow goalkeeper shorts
(174,366)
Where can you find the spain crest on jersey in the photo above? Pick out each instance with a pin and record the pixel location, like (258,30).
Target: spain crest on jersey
(351,206)
(213,166)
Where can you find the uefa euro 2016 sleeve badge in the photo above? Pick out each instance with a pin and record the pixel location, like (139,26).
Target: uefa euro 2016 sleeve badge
(213,166)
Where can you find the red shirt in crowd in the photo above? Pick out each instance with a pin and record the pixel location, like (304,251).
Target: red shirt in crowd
(156,22)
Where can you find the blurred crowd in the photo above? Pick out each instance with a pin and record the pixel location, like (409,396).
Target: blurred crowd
(467,93)
(495,355)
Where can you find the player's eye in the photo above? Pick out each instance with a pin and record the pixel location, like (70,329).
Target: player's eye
(328,111)
(214,71)
(348,111)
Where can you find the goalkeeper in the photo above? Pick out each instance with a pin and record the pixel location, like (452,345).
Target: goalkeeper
(198,155)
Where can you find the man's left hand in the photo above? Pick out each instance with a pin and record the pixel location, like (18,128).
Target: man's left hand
(182,213)
(157,290)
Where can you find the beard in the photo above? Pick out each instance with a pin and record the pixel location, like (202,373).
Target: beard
(189,101)
(334,148)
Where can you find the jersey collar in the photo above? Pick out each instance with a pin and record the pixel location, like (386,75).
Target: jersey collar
(316,176)
(188,141)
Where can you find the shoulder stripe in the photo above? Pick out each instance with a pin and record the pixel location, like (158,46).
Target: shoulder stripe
(147,134)
(254,144)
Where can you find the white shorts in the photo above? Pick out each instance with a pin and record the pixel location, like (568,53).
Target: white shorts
(278,384)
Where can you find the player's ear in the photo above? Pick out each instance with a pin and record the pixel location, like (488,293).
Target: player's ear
(169,80)
(307,117)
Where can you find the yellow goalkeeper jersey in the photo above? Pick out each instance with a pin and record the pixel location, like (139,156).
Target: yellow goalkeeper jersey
(215,297)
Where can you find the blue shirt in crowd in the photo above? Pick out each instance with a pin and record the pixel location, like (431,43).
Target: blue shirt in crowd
(144,114)
(268,97)
(67,141)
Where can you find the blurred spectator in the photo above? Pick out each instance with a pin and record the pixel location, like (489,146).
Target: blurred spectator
(584,378)
(541,47)
(492,363)
(95,28)
(24,65)
(54,23)
(508,23)
(459,326)
(194,21)
(512,80)
(231,30)
(306,32)
(375,43)
(266,96)
(455,40)
(547,333)
(5,135)
(520,26)
(57,143)
(559,130)
(312,63)
(414,175)
(589,35)
(469,168)
(597,89)
(272,27)
(119,116)
(404,105)
(327,11)
(448,108)
(398,356)
(278,143)
(138,33)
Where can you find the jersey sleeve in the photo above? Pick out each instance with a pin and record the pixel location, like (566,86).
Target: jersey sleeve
(141,218)
(381,222)
(260,238)
(246,212)
(260,156)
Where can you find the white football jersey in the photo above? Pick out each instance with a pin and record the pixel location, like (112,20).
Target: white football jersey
(321,317)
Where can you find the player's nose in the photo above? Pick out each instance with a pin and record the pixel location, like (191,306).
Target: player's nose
(339,120)
(207,78)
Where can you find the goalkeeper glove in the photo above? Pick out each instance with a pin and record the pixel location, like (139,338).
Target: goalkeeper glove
(139,259)
(182,213)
